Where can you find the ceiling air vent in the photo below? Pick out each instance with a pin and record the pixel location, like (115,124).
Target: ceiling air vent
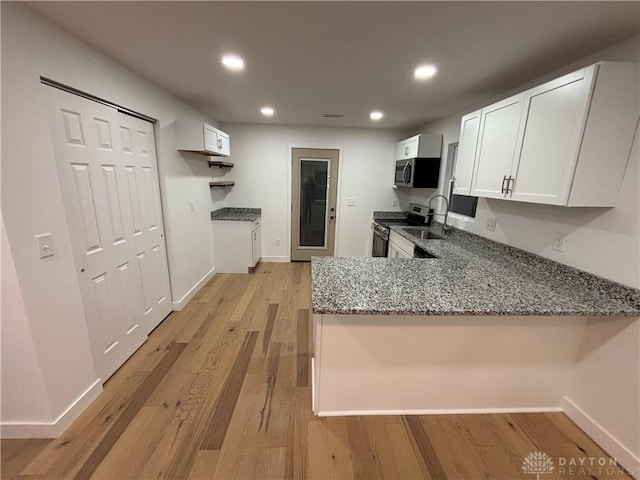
(332,115)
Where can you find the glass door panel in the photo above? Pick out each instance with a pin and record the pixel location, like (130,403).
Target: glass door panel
(314,176)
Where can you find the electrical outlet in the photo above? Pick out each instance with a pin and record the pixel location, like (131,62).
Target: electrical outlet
(351,202)
(559,242)
(44,242)
(395,202)
(192,206)
(491,224)
(277,242)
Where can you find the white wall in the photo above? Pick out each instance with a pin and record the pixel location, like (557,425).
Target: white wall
(262,172)
(602,241)
(23,394)
(32,201)
(604,398)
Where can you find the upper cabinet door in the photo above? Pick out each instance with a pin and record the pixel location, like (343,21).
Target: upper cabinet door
(224,146)
(469,129)
(553,118)
(410,148)
(499,127)
(211,140)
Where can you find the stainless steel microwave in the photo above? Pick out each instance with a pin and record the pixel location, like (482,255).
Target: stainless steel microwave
(417,173)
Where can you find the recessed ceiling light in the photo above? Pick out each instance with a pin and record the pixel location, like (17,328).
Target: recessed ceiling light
(267,111)
(376,115)
(233,62)
(425,71)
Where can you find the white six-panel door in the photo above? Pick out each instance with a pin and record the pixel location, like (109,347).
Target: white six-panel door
(108,175)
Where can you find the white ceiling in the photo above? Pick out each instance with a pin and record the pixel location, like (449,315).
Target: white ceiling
(309,58)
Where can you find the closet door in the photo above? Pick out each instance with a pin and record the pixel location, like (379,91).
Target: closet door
(108,177)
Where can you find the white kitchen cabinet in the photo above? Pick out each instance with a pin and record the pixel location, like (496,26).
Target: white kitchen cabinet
(237,245)
(256,245)
(577,135)
(399,247)
(463,175)
(397,252)
(200,137)
(573,137)
(419,146)
(499,126)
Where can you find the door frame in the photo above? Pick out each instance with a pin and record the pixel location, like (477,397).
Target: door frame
(312,146)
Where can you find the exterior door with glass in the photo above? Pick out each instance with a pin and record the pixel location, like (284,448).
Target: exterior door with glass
(314,197)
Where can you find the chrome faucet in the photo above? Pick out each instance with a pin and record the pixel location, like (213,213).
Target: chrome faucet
(446,211)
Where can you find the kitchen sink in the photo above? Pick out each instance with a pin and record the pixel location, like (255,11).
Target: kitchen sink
(423,234)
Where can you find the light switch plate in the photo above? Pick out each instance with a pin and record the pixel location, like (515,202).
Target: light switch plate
(491,224)
(351,202)
(559,242)
(44,242)
(192,206)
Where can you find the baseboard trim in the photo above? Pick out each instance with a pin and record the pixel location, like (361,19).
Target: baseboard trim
(444,411)
(59,425)
(180,304)
(275,259)
(602,437)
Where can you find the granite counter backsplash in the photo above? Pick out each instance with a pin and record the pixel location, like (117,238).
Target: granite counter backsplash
(471,275)
(381,215)
(237,214)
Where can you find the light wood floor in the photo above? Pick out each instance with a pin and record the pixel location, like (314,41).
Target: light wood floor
(221,390)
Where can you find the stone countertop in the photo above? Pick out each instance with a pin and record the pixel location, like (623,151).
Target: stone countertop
(471,276)
(236,214)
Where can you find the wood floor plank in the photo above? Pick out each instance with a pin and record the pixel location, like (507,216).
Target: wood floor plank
(227,408)
(422,443)
(224,409)
(302,364)
(363,457)
(268,329)
(144,431)
(131,410)
(394,450)
(318,461)
(339,449)
(17,454)
(204,465)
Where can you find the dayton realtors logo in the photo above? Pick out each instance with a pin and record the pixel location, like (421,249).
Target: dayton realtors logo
(537,463)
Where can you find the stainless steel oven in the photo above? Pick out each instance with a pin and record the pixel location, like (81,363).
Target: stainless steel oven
(417,215)
(380,240)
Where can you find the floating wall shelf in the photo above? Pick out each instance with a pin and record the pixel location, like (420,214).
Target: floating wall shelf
(221,184)
(219,163)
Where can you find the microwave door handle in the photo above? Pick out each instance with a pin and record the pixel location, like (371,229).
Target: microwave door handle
(404,174)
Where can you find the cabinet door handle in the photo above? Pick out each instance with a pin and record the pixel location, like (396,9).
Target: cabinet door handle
(504,179)
(510,184)
(254,236)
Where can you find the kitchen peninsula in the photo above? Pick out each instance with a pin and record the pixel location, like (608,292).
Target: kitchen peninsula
(483,327)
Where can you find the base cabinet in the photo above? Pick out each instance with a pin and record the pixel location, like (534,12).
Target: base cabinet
(399,247)
(237,245)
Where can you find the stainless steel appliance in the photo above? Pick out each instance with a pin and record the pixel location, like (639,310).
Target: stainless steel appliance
(417,173)
(418,215)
